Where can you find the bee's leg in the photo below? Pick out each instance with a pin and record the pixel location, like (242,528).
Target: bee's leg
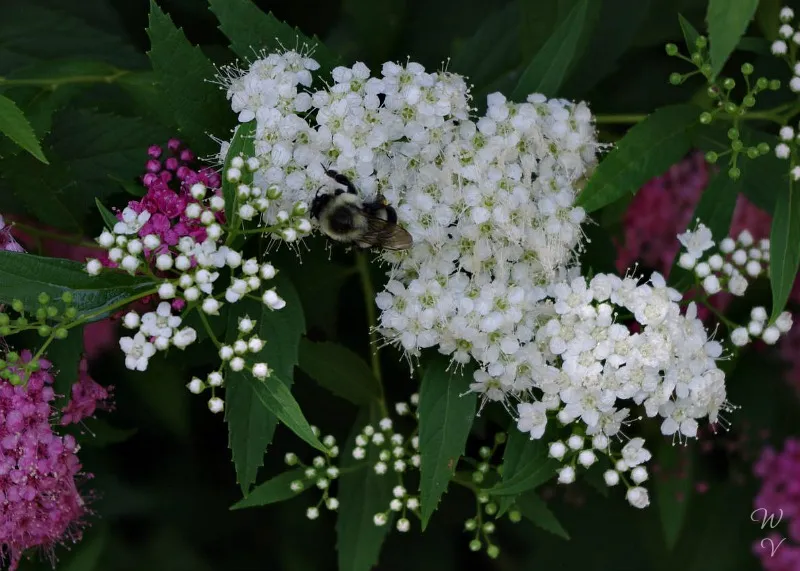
(343,180)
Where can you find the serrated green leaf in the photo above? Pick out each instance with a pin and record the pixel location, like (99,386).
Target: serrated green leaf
(25,276)
(445,420)
(362,494)
(272,491)
(16,127)
(492,49)
(251,30)
(526,465)
(690,33)
(339,370)
(242,145)
(647,150)
(251,427)
(784,251)
(65,355)
(548,69)
(727,21)
(183,75)
(108,217)
(533,508)
(715,210)
(672,490)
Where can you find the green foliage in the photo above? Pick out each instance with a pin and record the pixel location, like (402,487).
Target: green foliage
(727,22)
(445,420)
(273,490)
(253,408)
(25,276)
(339,370)
(250,30)
(534,509)
(66,357)
(547,70)
(647,150)
(784,254)
(673,490)
(362,494)
(526,465)
(108,217)
(242,145)
(16,127)
(182,72)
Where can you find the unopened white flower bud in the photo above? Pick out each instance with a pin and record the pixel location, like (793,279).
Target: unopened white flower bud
(611,477)
(131,320)
(195,386)
(216,405)
(566,475)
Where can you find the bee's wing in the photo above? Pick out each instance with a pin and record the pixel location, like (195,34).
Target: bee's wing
(383,234)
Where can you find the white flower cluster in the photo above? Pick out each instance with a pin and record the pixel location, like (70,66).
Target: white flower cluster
(320,474)
(787,32)
(788,144)
(583,362)
(758,328)
(489,202)
(728,268)
(189,269)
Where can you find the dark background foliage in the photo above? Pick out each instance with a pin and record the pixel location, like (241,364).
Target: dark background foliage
(163,476)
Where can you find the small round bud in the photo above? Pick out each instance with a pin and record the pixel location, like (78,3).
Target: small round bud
(763,148)
(775,84)
(566,475)
(216,405)
(728,83)
(557,450)
(701,42)
(672,49)
(515,516)
(195,386)
(747,68)
(706,117)
(312,513)
(771,335)
(639,474)
(734,173)
(403,525)
(586,458)
(730,108)
(737,145)
(675,78)
(752,152)
(749,101)
(711,157)
(475,545)
(379,519)
(575,442)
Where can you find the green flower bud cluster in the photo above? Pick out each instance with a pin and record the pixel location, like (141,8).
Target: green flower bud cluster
(49,317)
(722,103)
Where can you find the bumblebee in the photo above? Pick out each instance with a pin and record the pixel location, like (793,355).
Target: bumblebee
(345,217)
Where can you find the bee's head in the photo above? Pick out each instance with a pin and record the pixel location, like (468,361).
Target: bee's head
(319,203)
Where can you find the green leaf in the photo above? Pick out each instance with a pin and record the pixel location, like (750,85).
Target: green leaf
(108,217)
(251,30)
(533,508)
(535,20)
(618,22)
(690,33)
(183,75)
(647,150)
(379,42)
(16,127)
(715,210)
(767,16)
(339,370)
(445,420)
(492,49)
(727,21)
(526,465)
(548,69)
(272,491)
(65,355)
(784,251)
(242,144)
(672,489)
(25,276)
(362,494)
(251,427)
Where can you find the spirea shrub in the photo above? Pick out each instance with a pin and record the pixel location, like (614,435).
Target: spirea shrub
(549,328)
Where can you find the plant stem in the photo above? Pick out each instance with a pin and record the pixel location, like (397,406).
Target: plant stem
(207,326)
(55,82)
(372,320)
(623,119)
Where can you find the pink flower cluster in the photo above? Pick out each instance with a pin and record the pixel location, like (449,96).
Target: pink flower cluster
(7,241)
(779,497)
(39,501)
(87,397)
(168,181)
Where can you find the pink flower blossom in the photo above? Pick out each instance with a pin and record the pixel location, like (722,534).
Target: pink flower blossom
(87,397)
(41,505)
(7,241)
(779,497)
